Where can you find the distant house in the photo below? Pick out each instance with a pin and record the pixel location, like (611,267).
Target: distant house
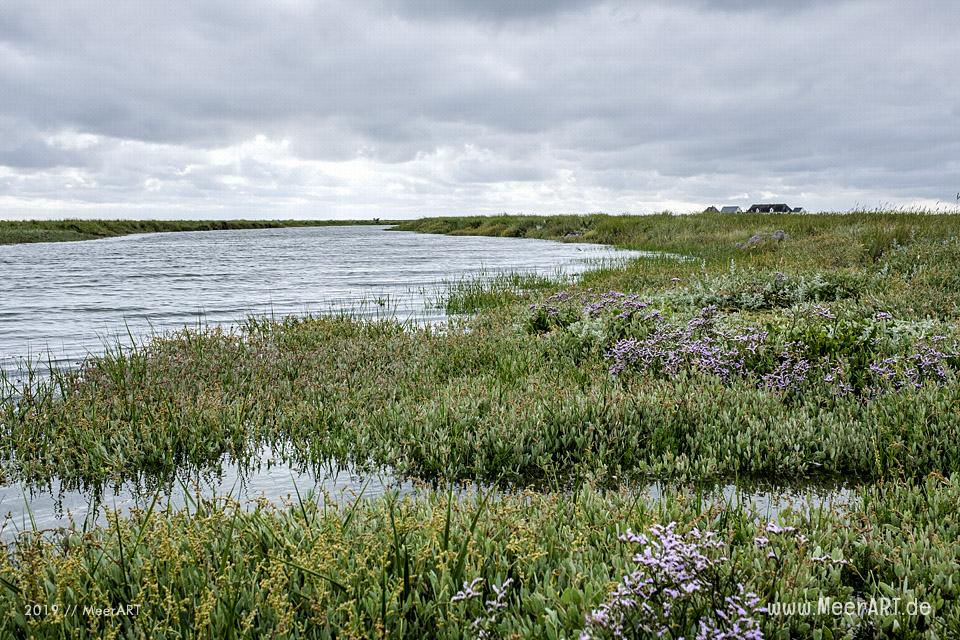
(769,208)
(731,209)
(711,210)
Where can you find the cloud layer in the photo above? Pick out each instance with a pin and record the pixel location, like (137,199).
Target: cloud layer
(415,107)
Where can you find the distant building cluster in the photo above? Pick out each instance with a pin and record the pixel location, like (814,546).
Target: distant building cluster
(756,208)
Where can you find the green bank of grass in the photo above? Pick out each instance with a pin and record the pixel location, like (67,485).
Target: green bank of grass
(392,568)
(909,259)
(472,295)
(21,231)
(493,399)
(702,234)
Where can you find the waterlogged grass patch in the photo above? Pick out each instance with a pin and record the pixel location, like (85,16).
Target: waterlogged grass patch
(474,294)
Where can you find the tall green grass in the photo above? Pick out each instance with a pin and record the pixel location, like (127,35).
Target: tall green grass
(390,567)
(487,398)
(488,291)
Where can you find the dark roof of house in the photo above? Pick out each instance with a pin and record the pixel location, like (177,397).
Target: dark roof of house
(730,209)
(769,208)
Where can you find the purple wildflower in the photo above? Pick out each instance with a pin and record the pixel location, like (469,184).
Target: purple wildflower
(469,591)
(773,527)
(824,312)
(674,573)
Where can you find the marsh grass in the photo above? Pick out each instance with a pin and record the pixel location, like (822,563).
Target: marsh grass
(497,396)
(519,392)
(472,294)
(216,569)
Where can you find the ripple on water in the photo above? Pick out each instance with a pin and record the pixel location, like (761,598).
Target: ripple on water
(69,299)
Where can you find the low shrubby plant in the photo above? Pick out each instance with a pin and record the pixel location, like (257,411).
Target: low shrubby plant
(768,290)
(817,351)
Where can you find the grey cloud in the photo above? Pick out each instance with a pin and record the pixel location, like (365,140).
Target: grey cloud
(495,10)
(676,102)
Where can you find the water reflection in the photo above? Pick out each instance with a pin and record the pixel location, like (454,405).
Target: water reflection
(279,482)
(272,478)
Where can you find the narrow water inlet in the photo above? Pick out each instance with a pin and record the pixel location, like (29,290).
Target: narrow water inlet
(51,507)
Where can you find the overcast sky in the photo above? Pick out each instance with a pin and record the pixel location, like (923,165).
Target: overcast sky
(418,107)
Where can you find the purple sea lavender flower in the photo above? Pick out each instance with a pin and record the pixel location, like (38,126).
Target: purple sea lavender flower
(790,373)
(560,296)
(623,353)
(773,527)
(604,301)
(752,340)
(885,368)
(469,591)
(485,624)
(631,305)
(929,362)
(824,312)
(500,602)
(672,589)
(706,319)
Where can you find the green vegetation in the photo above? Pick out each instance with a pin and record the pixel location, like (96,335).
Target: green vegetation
(18,231)
(790,348)
(486,291)
(391,568)
(505,399)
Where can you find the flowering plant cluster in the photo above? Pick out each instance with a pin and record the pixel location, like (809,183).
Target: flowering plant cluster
(678,588)
(839,355)
(563,309)
(700,345)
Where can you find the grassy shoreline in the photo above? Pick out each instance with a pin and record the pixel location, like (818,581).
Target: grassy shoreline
(784,347)
(27,231)
(403,568)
